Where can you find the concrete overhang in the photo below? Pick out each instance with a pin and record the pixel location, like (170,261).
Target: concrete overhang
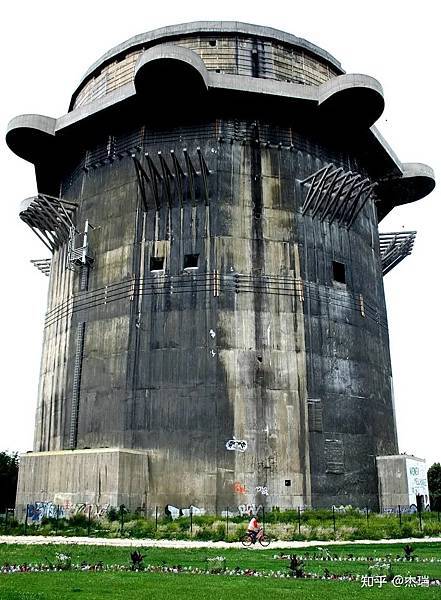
(354,98)
(416,182)
(347,102)
(31,136)
(358,98)
(170,67)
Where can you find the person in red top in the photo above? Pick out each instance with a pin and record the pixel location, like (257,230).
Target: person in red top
(254,527)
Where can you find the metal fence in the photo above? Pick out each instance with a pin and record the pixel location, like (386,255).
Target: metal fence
(85,516)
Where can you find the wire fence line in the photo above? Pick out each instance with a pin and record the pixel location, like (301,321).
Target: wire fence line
(37,517)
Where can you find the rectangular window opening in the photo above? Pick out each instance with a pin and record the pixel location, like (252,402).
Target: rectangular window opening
(338,272)
(156,263)
(191,261)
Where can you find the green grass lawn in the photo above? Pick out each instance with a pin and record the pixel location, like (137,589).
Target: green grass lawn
(127,585)
(253,558)
(140,586)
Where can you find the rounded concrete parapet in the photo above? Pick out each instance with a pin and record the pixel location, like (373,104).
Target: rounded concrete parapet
(31,136)
(170,66)
(423,172)
(356,98)
(417,181)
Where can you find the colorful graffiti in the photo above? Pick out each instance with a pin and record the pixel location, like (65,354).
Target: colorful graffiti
(239,488)
(404,510)
(49,510)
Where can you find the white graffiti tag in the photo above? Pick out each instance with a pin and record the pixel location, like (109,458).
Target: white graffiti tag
(245,509)
(175,512)
(262,489)
(236,445)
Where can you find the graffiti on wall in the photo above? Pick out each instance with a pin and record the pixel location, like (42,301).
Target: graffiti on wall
(175,513)
(416,479)
(236,445)
(49,510)
(246,509)
(404,510)
(262,489)
(268,464)
(239,488)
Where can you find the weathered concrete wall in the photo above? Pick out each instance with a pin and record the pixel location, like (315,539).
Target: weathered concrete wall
(182,361)
(100,478)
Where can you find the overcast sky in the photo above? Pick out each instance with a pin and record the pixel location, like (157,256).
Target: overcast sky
(46,47)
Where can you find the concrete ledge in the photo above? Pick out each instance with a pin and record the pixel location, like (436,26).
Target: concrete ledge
(27,135)
(353,99)
(416,182)
(169,65)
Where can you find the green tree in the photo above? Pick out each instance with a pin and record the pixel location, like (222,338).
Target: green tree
(8,479)
(434,479)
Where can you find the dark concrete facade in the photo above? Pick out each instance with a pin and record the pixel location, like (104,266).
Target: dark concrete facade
(220,305)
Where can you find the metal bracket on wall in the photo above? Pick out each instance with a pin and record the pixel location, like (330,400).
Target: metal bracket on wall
(336,194)
(50,218)
(171,180)
(43,265)
(394,247)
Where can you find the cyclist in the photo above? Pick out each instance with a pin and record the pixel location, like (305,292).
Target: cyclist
(254,527)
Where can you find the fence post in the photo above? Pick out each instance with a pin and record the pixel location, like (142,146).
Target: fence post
(367,514)
(156,518)
(228,512)
(191,521)
(121,510)
(263,519)
(26,519)
(56,519)
(399,514)
(6,518)
(88,521)
(419,517)
(333,518)
(299,517)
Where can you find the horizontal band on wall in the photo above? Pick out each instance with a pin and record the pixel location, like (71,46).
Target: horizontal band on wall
(215,283)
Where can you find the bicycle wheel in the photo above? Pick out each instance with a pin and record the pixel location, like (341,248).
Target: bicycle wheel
(264,541)
(246,541)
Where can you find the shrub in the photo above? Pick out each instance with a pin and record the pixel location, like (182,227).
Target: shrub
(79,520)
(113,514)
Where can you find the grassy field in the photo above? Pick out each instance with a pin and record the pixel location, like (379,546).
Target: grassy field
(140,586)
(128,585)
(252,558)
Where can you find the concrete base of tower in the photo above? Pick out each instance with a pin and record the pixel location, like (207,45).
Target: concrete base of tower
(68,482)
(90,481)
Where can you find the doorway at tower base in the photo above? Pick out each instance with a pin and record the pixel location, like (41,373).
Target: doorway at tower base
(71,481)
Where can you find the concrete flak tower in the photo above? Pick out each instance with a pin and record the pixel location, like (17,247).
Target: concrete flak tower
(216,332)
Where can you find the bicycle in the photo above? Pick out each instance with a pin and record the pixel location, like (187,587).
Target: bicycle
(263,540)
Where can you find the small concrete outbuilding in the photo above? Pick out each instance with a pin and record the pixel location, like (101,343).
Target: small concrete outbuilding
(402,483)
